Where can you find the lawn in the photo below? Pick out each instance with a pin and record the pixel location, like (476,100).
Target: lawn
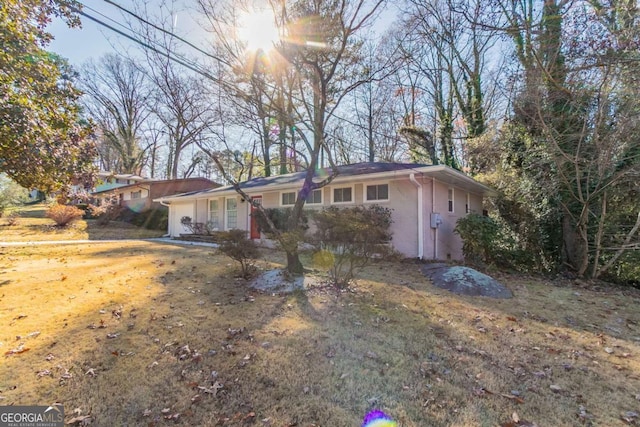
(145,333)
(32,225)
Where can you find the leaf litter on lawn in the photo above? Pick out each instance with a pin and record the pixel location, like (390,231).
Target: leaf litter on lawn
(323,357)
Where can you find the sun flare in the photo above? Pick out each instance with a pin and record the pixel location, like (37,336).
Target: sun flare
(258,30)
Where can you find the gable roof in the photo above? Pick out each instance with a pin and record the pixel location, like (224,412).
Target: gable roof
(346,173)
(147,183)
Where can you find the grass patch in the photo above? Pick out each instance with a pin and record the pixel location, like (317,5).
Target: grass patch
(142,333)
(33,226)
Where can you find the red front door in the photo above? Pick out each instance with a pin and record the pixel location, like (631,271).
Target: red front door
(255,232)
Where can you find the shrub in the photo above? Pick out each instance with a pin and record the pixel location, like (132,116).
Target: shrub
(348,239)
(13,219)
(479,234)
(152,219)
(11,194)
(488,241)
(64,215)
(280,218)
(108,210)
(236,245)
(199,228)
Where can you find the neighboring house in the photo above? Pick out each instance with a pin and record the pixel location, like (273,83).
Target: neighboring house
(109,180)
(426,201)
(139,196)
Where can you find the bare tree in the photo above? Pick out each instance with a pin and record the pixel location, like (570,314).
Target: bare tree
(321,51)
(448,47)
(377,114)
(117,98)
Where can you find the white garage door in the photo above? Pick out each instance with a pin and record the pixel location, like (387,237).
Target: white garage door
(177,212)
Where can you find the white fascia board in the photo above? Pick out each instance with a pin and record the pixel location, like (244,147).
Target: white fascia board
(397,174)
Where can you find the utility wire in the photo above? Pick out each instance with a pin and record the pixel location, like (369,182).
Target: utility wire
(159,28)
(183,61)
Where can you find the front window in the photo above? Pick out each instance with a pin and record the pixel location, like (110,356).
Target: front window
(288,199)
(451,200)
(378,192)
(232,214)
(315,197)
(136,194)
(342,195)
(214,214)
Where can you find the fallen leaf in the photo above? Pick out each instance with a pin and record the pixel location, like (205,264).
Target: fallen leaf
(511,318)
(609,350)
(146,412)
(82,420)
(516,399)
(481,391)
(18,350)
(213,390)
(555,387)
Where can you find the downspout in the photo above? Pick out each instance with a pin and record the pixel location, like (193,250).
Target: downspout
(433,210)
(412,177)
(168,205)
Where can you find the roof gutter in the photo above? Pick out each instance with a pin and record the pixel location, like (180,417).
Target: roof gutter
(415,182)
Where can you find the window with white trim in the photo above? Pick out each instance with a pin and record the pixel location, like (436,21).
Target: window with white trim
(214,214)
(136,194)
(232,213)
(314,198)
(467,207)
(288,199)
(451,194)
(343,195)
(378,192)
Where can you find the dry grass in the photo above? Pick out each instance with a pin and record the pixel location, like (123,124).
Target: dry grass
(194,346)
(33,226)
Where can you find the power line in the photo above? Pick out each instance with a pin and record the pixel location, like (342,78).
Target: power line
(184,61)
(181,61)
(159,28)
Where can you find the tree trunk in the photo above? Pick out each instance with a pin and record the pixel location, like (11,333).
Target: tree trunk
(294,266)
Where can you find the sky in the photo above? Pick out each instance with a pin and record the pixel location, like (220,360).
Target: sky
(79,45)
(93,40)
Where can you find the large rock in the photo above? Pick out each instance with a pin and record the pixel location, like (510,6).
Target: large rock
(465,281)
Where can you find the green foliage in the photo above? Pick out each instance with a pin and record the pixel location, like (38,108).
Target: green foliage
(64,215)
(626,270)
(151,219)
(488,240)
(236,245)
(478,233)
(42,140)
(280,218)
(11,194)
(347,239)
